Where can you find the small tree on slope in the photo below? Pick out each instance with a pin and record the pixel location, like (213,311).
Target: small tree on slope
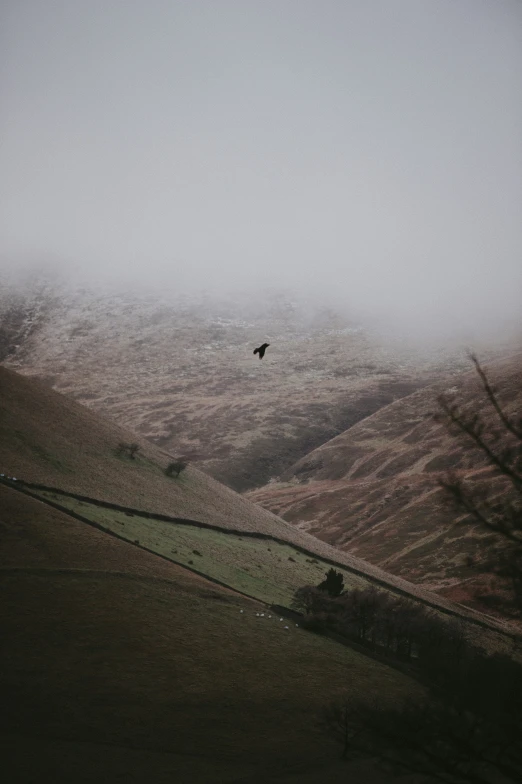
(333,584)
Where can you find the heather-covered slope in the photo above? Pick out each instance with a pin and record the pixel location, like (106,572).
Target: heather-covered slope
(181,372)
(373,491)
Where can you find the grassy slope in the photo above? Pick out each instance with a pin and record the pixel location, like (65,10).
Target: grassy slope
(46,437)
(118,648)
(373,490)
(268,570)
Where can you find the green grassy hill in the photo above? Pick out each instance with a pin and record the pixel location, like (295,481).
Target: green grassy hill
(264,568)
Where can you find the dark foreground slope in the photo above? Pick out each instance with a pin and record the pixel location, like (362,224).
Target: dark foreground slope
(373,491)
(116,665)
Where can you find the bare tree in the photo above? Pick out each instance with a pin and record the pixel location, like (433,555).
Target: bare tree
(308,599)
(442,737)
(496,502)
(338,719)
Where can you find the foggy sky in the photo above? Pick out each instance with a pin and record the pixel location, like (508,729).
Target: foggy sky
(369,150)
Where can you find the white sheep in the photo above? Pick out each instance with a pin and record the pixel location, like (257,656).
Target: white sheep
(286,627)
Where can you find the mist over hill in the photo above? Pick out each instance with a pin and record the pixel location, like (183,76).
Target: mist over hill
(180,369)
(183,182)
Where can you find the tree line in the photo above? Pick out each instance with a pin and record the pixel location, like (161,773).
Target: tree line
(468,726)
(398,628)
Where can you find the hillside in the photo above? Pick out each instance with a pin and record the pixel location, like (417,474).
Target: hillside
(49,439)
(111,674)
(181,372)
(372,491)
(111,648)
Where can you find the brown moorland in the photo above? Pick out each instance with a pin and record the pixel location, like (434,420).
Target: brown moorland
(181,372)
(373,491)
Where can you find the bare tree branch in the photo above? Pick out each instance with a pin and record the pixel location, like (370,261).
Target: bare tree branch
(508,424)
(473,428)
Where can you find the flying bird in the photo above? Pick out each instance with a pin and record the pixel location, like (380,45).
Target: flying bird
(261,350)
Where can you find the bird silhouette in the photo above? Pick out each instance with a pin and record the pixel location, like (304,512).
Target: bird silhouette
(261,350)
